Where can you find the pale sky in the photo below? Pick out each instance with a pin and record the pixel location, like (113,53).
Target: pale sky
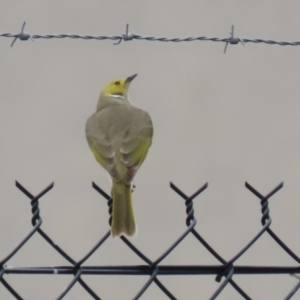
(221,119)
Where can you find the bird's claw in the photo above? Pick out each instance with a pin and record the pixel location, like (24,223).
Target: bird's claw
(133,187)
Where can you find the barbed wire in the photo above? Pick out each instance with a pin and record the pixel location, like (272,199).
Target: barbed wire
(129,36)
(226,269)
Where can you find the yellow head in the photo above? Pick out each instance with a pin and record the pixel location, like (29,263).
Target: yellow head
(118,87)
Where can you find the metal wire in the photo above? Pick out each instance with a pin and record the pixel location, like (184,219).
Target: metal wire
(129,36)
(144,270)
(228,268)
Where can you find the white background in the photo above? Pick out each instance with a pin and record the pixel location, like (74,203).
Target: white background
(225,119)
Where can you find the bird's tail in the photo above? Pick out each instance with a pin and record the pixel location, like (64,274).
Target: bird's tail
(122,215)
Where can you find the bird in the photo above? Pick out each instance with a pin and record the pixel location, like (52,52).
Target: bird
(119,135)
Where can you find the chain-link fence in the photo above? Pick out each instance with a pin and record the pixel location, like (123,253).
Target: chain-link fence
(226,269)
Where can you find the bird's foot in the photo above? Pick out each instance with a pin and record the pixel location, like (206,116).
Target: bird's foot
(133,187)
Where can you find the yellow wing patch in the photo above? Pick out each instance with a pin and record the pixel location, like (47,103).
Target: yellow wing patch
(135,158)
(106,162)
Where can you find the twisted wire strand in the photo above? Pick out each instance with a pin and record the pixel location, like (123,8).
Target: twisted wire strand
(128,36)
(265,217)
(162,256)
(37,221)
(266,222)
(135,250)
(151,38)
(227,268)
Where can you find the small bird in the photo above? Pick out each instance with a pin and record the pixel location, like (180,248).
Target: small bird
(119,135)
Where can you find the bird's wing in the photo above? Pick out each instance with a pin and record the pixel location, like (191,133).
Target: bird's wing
(136,144)
(100,144)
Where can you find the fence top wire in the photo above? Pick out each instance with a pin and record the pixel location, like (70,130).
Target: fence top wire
(129,36)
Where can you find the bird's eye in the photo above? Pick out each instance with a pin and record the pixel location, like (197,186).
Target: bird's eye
(117,82)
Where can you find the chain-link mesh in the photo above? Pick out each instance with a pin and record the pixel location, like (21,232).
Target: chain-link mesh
(226,269)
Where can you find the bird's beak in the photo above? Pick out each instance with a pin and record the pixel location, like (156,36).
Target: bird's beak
(130,78)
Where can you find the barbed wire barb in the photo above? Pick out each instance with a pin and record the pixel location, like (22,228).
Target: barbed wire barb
(233,40)
(127,36)
(22,36)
